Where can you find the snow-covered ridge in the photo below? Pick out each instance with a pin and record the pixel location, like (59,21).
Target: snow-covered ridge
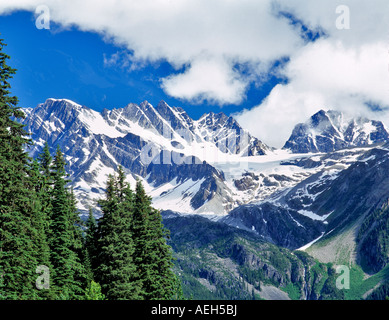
(328,131)
(95,143)
(231,167)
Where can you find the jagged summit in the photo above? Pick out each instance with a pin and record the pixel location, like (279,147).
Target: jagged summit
(331,130)
(291,200)
(161,145)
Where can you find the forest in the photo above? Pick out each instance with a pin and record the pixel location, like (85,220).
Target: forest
(47,252)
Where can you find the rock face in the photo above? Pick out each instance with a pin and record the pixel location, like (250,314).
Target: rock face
(328,131)
(275,224)
(326,202)
(229,136)
(162,146)
(217,261)
(275,203)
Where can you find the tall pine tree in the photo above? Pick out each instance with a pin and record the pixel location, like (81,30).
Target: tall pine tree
(20,220)
(65,237)
(153,257)
(41,222)
(116,271)
(90,246)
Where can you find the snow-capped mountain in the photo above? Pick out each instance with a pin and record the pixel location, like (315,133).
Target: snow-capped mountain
(328,131)
(172,153)
(306,207)
(213,167)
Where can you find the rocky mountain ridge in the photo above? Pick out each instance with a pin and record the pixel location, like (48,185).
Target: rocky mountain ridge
(328,131)
(162,146)
(331,177)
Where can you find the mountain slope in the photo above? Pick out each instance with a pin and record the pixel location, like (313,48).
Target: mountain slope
(328,131)
(216,261)
(327,200)
(162,146)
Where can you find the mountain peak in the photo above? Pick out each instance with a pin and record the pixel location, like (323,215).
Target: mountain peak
(328,131)
(146,105)
(162,107)
(163,103)
(51,101)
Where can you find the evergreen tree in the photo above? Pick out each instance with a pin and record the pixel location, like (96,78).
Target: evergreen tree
(94,292)
(153,256)
(90,245)
(116,271)
(20,223)
(65,237)
(45,161)
(44,184)
(40,222)
(77,241)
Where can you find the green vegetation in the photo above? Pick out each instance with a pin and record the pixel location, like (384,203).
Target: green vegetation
(128,254)
(20,218)
(220,262)
(46,251)
(373,238)
(293,291)
(360,284)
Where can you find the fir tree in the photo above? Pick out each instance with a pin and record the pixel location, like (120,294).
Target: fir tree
(44,183)
(116,271)
(153,256)
(20,222)
(40,222)
(64,237)
(90,245)
(77,241)
(94,292)
(45,161)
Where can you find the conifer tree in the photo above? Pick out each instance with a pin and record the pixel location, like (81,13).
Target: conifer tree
(77,241)
(64,236)
(90,246)
(45,161)
(153,256)
(91,234)
(19,210)
(94,292)
(44,183)
(40,222)
(116,271)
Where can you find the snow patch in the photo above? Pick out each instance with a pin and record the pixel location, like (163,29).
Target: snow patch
(303,248)
(314,216)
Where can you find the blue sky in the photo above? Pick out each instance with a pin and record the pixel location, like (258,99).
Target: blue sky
(58,63)
(271,63)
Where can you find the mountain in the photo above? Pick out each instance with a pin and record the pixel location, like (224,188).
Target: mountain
(338,215)
(163,146)
(242,215)
(342,186)
(221,262)
(328,131)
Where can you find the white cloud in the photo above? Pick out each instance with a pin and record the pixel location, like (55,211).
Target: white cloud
(323,75)
(335,70)
(368,19)
(183,32)
(342,71)
(210,79)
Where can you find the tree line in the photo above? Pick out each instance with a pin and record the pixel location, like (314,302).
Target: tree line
(48,252)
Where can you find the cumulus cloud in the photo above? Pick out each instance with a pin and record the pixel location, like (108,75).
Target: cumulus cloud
(347,70)
(221,83)
(182,33)
(368,19)
(323,75)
